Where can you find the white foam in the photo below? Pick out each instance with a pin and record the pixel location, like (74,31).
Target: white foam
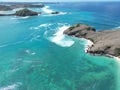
(60,13)
(88,45)
(30,52)
(40,26)
(14,10)
(116,27)
(36,28)
(24,17)
(11,87)
(13,18)
(44,25)
(47,9)
(60,39)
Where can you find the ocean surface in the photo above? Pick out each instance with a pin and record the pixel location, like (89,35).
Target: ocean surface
(35,55)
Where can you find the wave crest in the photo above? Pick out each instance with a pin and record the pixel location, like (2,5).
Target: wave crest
(47,9)
(60,39)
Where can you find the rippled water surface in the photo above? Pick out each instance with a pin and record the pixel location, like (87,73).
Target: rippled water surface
(35,55)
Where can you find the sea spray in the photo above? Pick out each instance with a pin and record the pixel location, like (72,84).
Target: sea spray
(47,9)
(88,45)
(60,39)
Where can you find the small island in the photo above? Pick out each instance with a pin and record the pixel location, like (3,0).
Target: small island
(106,42)
(23,13)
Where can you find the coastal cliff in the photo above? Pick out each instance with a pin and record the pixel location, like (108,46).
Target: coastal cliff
(106,42)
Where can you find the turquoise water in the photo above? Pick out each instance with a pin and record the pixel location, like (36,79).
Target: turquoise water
(35,55)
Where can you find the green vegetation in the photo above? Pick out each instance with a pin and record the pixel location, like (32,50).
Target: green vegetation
(77,25)
(72,27)
(91,40)
(89,28)
(117,51)
(107,47)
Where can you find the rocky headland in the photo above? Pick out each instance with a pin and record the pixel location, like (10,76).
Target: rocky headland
(106,42)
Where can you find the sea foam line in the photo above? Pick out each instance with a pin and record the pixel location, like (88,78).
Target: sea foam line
(11,87)
(47,10)
(88,45)
(40,26)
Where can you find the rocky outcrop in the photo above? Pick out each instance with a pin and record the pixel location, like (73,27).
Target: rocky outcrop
(55,12)
(105,41)
(25,12)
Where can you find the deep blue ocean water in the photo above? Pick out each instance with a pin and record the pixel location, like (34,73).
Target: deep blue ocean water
(35,55)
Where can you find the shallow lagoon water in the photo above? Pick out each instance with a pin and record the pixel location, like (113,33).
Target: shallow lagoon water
(35,55)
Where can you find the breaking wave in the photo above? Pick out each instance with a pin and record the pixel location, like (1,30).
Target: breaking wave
(40,26)
(60,39)
(47,9)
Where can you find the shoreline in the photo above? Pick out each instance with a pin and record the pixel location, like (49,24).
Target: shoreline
(105,42)
(89,44)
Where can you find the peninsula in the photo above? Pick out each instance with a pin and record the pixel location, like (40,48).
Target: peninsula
(106,42)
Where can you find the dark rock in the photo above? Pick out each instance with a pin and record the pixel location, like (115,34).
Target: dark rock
(55,12)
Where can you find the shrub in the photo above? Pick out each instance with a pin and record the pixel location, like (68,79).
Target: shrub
(72,27)
(117,51)
(91,39)
(77,25)
(107,47)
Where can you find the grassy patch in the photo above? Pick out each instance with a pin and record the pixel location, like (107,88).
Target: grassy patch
(72,27)
(117,51)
